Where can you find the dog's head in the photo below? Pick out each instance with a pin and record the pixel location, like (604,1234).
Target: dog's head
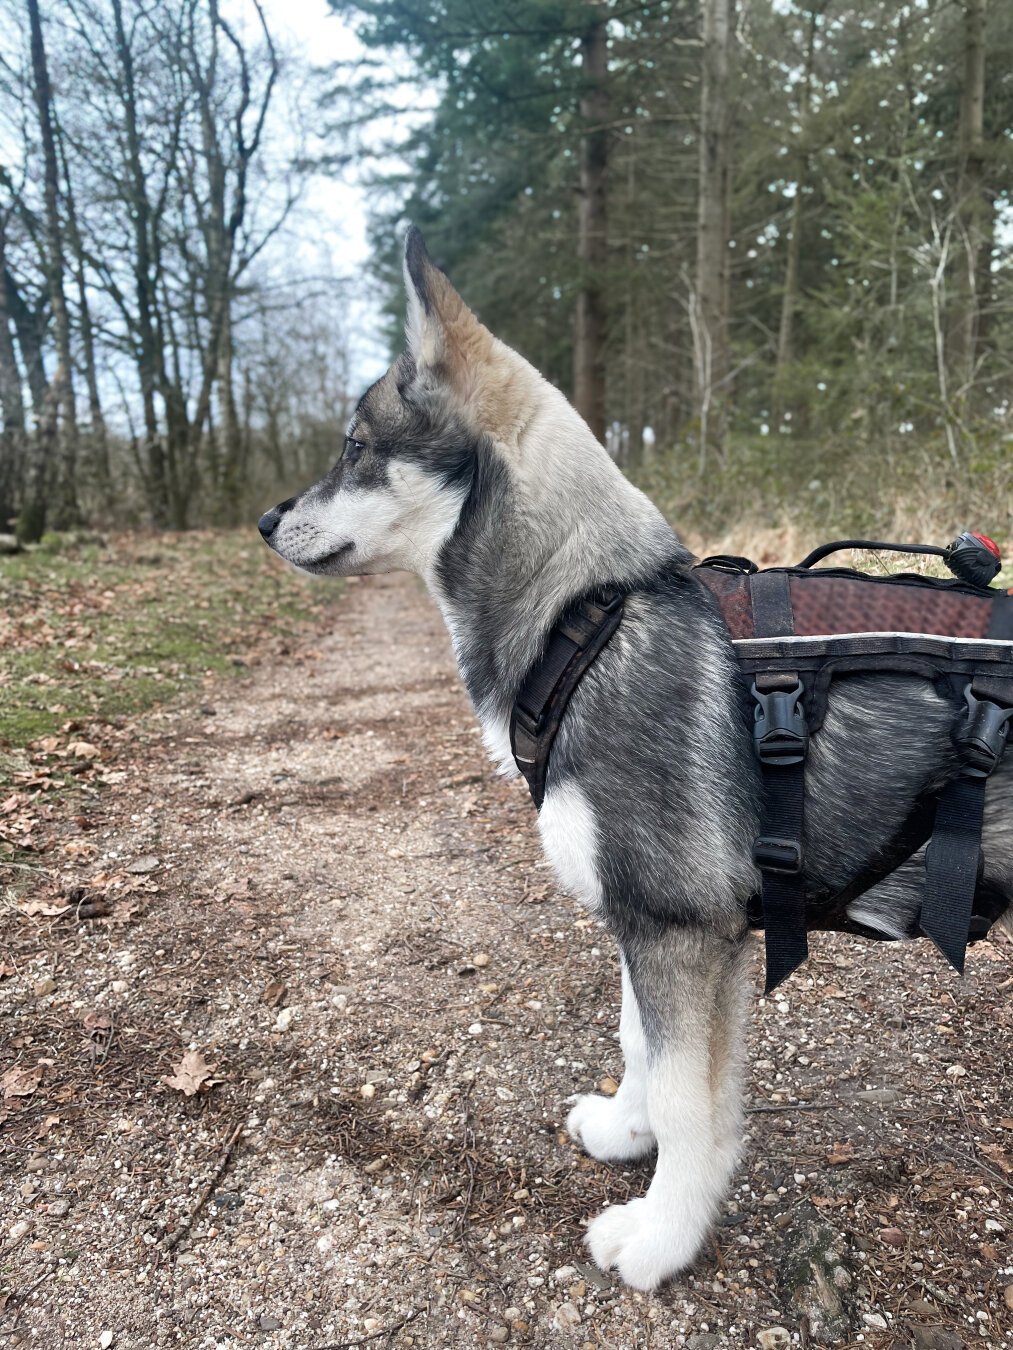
(395,494)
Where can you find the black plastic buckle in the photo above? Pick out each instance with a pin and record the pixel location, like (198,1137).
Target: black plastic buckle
(982,739)
(780,733)
(783,856)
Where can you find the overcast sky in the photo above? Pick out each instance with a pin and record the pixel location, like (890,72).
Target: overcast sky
(329,227)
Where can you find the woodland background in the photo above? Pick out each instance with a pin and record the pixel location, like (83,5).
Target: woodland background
(766,247)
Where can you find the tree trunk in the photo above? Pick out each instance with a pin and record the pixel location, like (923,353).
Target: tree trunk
(12,408)
(231,438)
(592,236)
(40,448)
(65,509)
(712,361)
(148,359)
(789,298)
(972,207)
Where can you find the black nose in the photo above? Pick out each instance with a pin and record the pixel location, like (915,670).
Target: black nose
(268,522)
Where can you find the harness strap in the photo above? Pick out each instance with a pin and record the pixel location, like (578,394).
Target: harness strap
(1001,624)
(571,647)
(781,740)
(953,859)
(952,864)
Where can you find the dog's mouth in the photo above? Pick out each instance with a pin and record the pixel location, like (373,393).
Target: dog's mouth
(330,563)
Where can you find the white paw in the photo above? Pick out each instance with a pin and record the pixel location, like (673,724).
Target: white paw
(645,1247)
(607,1129)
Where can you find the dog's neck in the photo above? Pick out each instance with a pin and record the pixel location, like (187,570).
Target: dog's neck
(536,531)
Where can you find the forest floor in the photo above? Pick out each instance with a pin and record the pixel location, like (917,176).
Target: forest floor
(292,1012)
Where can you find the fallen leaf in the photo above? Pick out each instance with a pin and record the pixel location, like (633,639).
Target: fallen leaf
(273,993)
(96,1021)
(83,750)
(841,1151)
(608,1086)
(893,1236)
(21,1082)
(192,1075)
(43,908)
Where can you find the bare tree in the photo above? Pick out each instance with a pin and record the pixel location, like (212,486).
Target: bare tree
(709,302)
(789,297)
(592,231)
(973,209)
(64,489)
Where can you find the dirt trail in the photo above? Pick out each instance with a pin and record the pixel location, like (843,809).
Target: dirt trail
(354,926)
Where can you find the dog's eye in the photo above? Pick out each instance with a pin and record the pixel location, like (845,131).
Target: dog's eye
(353,449)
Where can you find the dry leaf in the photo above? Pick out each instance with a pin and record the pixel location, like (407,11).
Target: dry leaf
(35,908)
(83,750)
(273,993)
(841,1151)
(21,1082)
(96,1021)
(192,1075)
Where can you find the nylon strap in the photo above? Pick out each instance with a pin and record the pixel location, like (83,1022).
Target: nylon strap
(778,849)
(952,863)
(785,939)
(1001,624)
(570,649)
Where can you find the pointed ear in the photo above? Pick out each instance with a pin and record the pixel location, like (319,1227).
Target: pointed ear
(450,346)
(440,328)
(423,283)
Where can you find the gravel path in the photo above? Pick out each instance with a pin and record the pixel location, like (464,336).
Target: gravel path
(326,895)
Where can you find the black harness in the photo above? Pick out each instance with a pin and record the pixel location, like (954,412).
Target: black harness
(789,678)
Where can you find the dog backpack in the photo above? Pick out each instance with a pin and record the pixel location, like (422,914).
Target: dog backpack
(794,631)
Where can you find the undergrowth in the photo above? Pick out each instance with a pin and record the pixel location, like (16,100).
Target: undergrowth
(776,497)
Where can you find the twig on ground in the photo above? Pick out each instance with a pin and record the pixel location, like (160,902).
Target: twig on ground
(172,1240)
(797,1106)
(392,1330)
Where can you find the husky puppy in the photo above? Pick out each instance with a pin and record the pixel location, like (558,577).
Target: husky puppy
(464,465)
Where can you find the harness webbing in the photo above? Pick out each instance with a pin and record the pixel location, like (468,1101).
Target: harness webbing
(570,649)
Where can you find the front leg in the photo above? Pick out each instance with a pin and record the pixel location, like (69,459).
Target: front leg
(616,1129)
(689,988)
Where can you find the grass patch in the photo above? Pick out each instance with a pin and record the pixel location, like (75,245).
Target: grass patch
(100,630)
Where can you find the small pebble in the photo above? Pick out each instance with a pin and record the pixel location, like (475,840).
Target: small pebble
(480,959)
(284,1019)
(1007,1294)
(874,1320)
(59,1209)
(149,863)
(106,1340)
(46,986)
(566,1317)
(499,1335)
(19,1230)
(119,986)
(773,1338)
(367,1091)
